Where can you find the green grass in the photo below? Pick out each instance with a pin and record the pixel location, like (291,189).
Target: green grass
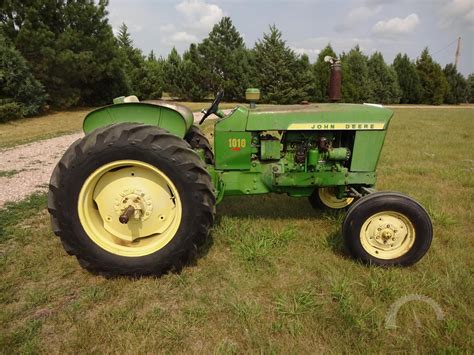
(32,129)
(8,173)
(276,278)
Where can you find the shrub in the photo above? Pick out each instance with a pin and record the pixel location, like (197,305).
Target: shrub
(10,111)
(18,87)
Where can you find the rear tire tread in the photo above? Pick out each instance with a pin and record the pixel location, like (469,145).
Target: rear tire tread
(192,169)
(197,140)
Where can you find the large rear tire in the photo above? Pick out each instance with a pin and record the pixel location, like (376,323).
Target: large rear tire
(197,140)
(102,175)
(387,228)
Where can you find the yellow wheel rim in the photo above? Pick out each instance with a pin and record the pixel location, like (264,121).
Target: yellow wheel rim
(328,197)
(387,235)
(113,187)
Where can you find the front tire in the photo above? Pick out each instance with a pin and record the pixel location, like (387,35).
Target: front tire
(387,228)
(124,165)
(324,198)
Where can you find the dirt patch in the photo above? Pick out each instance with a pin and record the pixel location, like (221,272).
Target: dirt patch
(34,163)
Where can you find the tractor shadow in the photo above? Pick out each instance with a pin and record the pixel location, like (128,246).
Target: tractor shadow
(273,206)
(283,208)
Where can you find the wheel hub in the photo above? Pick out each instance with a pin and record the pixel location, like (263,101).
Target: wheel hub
(142,204)
(129,208)
(387,235)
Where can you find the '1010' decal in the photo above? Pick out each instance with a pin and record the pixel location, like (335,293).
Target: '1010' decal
(237,143)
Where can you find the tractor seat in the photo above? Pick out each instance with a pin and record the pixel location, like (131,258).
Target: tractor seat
(131,98)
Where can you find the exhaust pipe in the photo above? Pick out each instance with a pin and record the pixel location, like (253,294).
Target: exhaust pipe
(335,81)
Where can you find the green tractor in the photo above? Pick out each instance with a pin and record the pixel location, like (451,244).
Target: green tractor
(137,195)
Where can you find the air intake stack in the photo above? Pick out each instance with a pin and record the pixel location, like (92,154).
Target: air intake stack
(335,81)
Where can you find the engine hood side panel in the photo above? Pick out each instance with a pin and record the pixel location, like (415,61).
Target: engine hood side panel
(320,117)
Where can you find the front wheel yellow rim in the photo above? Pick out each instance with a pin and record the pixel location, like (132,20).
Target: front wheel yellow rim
(387,235)
(111,189)
(328,197)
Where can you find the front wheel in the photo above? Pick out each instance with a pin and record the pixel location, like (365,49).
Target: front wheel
(325,198)
(387,228)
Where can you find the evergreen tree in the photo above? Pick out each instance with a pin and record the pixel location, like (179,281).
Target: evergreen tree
(278,70)
(69,46)
(470,88)
(382,80)
(148,79)
(355,76)
(152,56)
(195,79)
(433,83)
(304,78)
(408,79)
(457,91)
(145,76)
(20,93)
(224,60)
(322,73)
(133,56)
(123,36)
(172,73)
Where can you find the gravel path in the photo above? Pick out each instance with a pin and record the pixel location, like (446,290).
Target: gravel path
(26,168)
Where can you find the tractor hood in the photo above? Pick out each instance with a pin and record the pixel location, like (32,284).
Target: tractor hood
(319,117)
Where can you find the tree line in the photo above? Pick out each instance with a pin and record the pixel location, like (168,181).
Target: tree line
(56,53)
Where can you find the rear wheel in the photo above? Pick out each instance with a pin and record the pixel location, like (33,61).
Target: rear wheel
(326,198)
(387,228)
(131,199)
(197,140)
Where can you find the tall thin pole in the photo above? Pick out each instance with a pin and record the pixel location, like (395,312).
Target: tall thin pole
(458,53)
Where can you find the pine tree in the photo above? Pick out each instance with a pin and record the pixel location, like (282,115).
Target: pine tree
(408,79)
(152,56)
(382,80)
(195,80)
(433,83)
(70,48)
(457,91)
(172,73)
(136,68)
(123,36)
(322,73)
(355,76)
(278,70)
(470,88)
(133,56)
(148,79)
(224,61)
(304,78)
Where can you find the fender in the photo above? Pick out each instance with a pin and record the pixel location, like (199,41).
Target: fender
(174,118)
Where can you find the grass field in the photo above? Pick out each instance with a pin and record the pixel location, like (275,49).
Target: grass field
(57,123)
(274,279)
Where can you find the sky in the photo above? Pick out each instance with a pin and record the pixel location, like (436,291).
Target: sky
(387,26)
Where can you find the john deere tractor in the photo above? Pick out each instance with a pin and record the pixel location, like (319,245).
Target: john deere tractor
(138,194)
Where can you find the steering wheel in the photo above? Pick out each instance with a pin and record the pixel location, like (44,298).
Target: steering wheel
(213,108)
